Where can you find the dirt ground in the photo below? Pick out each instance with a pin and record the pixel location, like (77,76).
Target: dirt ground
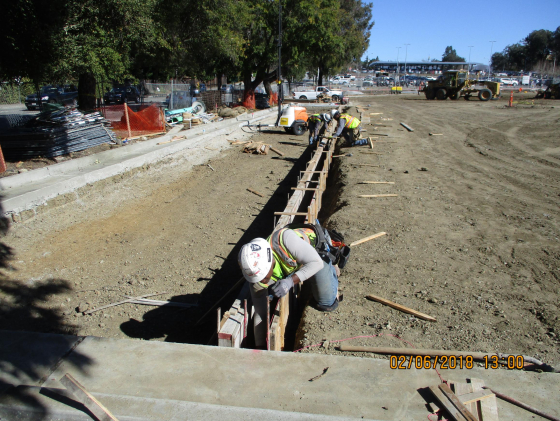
(472,237)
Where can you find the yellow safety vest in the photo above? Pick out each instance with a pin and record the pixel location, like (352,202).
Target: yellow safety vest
(351,122)
(315,118)
(284,262)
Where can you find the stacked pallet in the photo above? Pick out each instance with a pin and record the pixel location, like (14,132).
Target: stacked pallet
(55,133)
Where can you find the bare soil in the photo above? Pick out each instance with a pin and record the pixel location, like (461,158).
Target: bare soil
(472,236)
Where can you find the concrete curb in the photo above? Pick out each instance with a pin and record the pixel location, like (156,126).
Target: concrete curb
(29,190)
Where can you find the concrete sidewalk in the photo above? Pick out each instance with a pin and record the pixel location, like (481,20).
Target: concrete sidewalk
(27,191)
(139,380)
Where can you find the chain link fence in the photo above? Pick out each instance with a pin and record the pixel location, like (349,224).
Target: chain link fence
(15,93)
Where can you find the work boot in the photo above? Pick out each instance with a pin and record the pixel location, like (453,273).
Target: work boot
(370,142)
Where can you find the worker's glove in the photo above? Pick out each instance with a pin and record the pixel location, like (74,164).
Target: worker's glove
(282,287)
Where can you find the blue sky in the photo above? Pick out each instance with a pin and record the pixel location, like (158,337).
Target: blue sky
(430,26)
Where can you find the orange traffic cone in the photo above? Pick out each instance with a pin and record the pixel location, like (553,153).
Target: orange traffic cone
(511,99)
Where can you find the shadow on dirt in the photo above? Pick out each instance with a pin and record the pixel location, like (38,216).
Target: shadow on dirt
(27,359)
(182,325)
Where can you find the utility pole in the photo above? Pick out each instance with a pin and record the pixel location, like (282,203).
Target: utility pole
(490,65)
(398,70)
(405,57)
(279,82)
(469,65)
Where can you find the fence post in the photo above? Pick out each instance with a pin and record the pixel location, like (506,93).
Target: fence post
(127,120)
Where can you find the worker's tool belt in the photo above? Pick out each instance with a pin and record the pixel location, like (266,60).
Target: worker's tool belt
(329,243)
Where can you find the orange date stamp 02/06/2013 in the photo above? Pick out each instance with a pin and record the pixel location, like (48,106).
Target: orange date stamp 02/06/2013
(452,362)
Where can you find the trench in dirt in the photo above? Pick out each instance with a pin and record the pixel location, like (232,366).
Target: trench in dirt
(330,205)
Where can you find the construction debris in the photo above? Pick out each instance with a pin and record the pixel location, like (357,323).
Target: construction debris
(401,308)
(407,127)
(436,134)
(320,375)
(85,398)
(453,406)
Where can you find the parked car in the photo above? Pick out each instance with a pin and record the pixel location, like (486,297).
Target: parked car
(312,93)
(64,95)
(226,88)
(508,82)
(121,94)
(367,83)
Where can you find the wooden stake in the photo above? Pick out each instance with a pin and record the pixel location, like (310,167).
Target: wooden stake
(378,195)
(401,308)
(436,134)
(366,165)
(255,192)
(85,398)
(127,119)
(210,166)
(375,113)
(371,237)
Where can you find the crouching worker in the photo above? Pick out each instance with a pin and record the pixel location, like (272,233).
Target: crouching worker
(287,258)
(349,127)
(317,124)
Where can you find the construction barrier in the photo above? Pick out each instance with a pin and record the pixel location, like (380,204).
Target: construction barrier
(126,123)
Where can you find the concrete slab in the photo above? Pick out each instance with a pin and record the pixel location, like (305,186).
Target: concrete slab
(170,375)
(34,188)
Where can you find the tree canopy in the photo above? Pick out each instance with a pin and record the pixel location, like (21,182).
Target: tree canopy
(537,51)
(103,40)
(451,55)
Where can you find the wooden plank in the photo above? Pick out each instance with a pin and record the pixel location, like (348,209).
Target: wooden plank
(85,398)
(407,127)
(460,388)
(378,195)
(488,408)
(371,237)
(122,302)
(475,396)
(456,402)
(401,308)
(291,213)
(376,182)
(366,165)
(255,192)
(444,403)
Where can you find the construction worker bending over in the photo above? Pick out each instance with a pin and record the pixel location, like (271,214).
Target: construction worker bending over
(273,266)
(317,124)
(349,127)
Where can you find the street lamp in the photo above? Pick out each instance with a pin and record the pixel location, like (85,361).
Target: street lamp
(490,65)
(405,57)
(398,70)
(469,65)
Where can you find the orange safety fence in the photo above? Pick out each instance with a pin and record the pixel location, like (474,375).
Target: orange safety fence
(273,99)
(127,123)
(2,162)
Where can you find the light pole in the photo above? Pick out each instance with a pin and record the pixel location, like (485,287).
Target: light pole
(469,65)
(405,57)
(397,72)
(490,66)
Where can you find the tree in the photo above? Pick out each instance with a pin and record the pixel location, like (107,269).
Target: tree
(29,38)
(538,45)
(451,55)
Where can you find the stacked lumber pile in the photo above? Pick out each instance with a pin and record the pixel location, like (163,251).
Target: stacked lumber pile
(56,133)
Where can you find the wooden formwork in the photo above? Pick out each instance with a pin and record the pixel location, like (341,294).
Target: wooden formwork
(232,328)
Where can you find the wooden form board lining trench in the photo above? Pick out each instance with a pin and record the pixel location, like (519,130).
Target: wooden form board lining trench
(234,329)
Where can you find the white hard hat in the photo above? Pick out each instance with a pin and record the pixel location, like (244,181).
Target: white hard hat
(334,112)
(255,260)
(327,117)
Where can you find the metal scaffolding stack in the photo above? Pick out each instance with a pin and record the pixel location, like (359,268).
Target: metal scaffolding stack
(55,133)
